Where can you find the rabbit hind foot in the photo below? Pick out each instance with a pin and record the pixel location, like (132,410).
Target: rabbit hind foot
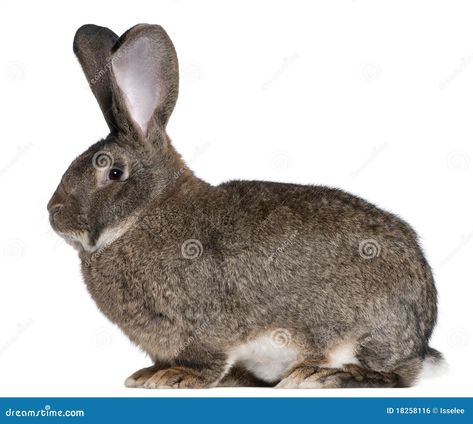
(308,376)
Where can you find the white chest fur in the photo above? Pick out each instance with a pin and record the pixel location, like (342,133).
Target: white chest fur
(264,358)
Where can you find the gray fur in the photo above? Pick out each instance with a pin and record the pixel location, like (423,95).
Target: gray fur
(322,264)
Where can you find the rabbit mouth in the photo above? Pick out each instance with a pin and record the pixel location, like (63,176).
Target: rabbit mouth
(82,240)
(77,239)
(62,226)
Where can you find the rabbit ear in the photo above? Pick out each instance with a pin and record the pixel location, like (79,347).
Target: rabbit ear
(92,46)
(146,78)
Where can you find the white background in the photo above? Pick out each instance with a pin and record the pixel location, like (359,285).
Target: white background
(372,97)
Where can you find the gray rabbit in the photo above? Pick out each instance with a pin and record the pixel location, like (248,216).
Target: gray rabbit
(246,283)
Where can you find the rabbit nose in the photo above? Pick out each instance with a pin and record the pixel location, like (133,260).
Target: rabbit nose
(56,202)
(54,208)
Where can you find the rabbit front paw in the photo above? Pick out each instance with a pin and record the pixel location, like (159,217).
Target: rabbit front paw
(140,377)
(170,378)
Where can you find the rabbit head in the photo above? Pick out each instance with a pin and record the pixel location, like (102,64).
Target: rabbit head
(135,81)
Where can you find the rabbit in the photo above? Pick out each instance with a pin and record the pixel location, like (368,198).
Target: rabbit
(247,283)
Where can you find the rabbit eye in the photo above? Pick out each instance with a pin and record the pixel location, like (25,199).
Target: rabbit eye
(115,174)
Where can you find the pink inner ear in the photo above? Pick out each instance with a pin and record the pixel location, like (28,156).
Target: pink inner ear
(136,67)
